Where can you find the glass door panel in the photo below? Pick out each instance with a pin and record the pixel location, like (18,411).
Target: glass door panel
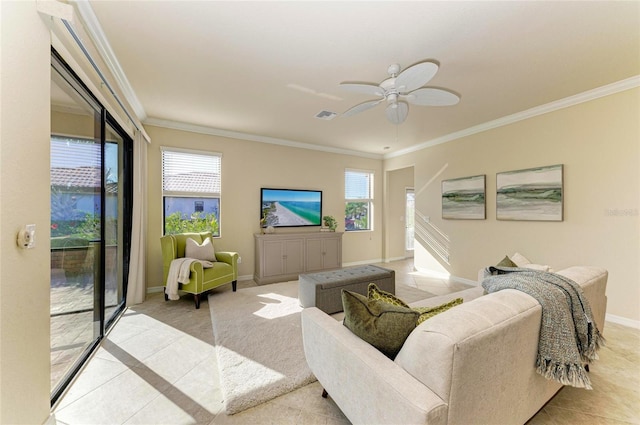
(114,228)
(76,158)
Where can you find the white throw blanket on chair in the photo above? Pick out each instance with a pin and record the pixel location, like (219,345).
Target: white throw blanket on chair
(179,272)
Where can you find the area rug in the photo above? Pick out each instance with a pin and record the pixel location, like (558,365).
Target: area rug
(258,341)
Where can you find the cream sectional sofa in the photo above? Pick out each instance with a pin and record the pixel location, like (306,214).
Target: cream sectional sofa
(473,364)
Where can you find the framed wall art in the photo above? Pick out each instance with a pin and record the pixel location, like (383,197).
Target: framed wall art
(464,198)
(533,194)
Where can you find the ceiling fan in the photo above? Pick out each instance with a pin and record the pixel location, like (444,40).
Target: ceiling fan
(400,89)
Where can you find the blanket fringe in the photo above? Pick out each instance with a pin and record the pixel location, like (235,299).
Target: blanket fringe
(566,374)
(590,354)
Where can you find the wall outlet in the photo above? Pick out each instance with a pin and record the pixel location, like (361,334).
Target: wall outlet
(239,259)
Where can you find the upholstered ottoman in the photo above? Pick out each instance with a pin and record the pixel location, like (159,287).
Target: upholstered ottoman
(324,289)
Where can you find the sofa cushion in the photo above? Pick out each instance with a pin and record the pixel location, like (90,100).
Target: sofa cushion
(198,251)
(506,262)
(520,260)
(381,324)
(540,267)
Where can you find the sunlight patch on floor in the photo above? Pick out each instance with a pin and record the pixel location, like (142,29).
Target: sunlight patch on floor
(284,306)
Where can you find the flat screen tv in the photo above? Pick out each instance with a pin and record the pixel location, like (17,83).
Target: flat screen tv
(290,207)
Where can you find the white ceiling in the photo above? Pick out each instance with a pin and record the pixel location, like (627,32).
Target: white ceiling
(267,68)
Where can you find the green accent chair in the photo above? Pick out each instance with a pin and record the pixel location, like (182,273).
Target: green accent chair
(224,270)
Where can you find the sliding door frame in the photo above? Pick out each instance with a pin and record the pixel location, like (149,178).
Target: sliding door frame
(102,119)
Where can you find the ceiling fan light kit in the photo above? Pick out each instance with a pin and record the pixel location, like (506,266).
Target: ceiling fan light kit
(400,89)
(397,112)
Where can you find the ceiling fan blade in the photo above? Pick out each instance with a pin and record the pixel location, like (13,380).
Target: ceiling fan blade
(432,97)
(368,89)
(397,112)
(361,107)
(415,76)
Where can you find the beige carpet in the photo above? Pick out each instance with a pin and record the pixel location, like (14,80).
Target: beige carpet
(259,344)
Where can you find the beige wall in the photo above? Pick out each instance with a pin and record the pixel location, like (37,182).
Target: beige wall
(24,193)
(69,124)
(598,143)
(397,182)
(246,167)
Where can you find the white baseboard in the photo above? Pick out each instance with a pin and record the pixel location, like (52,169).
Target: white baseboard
(389,260)
(51,420)
(362,263)
(622,321)
(154,289)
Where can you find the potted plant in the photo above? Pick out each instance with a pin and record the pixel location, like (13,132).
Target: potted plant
(330,222)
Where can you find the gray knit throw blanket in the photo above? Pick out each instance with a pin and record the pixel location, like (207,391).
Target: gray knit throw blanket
(569,337)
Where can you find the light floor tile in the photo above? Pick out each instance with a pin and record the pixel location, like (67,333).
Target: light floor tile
(172,407)
(179,358)
(158,366)
(115,401)
(96,373)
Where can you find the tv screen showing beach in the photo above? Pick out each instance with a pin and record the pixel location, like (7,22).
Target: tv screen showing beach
(290,208)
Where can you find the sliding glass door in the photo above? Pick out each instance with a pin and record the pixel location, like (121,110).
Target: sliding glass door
(90,222)
(117,218)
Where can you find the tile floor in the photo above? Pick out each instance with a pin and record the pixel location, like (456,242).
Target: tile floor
(72,320)
(158,366)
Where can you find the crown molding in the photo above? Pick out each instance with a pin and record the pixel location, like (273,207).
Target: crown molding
(609,89)
(193,128)
(626,84)
(101,43)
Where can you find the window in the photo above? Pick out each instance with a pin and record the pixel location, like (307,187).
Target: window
(191,191)
(358,189)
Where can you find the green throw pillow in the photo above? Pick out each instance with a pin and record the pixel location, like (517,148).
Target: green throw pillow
(506,262)
(383,325)
(375,293)
(428,312)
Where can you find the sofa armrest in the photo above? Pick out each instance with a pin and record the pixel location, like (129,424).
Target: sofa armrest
(227,257)
(230,258)
(168,249)
(367,386)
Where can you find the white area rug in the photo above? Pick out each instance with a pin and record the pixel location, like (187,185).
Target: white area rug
(258,341)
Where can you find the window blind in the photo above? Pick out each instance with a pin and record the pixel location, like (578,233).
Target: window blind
(357,184)
(190,172)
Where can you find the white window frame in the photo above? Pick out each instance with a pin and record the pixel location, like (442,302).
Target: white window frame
(368,198)
(215,193)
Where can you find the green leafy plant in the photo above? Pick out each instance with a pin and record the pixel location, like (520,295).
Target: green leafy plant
(330,222)
(197,222)
(357,216)
(87,227)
